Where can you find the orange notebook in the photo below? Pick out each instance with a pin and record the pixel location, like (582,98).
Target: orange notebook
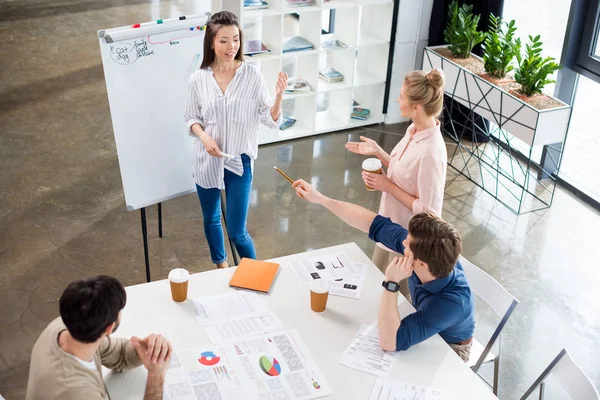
(254,275)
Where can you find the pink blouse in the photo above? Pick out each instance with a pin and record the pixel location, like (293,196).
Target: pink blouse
(418,166)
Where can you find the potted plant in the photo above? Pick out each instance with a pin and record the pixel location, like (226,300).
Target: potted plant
(461,32)
(500,47)
(533,70)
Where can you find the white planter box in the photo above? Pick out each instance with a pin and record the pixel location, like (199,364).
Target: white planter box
(532,126)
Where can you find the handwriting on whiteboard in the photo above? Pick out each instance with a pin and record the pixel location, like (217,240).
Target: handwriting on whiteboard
(127,53)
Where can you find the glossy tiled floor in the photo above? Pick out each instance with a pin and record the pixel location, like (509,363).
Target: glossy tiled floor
(62,213)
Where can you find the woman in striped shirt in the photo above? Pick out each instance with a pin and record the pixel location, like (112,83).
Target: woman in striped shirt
(227,99)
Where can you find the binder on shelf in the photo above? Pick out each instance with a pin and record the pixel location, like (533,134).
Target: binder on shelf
(297,43)
(254,275)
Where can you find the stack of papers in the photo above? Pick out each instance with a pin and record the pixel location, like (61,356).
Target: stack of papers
(333,44)
(247,359)
(297,43)
(273,366)
(391,389)
(346,278)
(255,48)
(365,354)
(331,75)
(360,113)
(295,85)
(234,315)
(255,5)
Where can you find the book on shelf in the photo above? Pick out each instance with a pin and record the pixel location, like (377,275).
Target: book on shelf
(360,113)
(255,5)
(354,103)
(296,85)
(333,44)
(299,3)
(254,48)
(297,43)
(286,123)
(331,75)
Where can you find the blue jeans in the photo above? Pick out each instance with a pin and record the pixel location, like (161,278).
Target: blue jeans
(237,193)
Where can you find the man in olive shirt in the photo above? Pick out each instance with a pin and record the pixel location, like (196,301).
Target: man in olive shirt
(67,359)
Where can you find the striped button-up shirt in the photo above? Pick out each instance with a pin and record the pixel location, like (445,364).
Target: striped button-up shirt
(231,119)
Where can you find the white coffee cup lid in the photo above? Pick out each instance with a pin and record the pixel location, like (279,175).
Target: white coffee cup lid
(371,164)
(179,275)
(320,286)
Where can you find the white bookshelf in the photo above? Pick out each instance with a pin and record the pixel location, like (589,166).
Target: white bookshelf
(363,25)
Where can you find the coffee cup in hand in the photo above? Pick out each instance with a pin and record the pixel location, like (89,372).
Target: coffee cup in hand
(374,166)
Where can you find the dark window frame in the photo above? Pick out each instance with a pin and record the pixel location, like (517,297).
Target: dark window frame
(588,55)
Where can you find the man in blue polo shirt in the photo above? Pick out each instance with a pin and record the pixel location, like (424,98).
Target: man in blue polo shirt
(438,286)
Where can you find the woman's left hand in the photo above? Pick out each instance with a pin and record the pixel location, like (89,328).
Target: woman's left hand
(377,181)
(281,84)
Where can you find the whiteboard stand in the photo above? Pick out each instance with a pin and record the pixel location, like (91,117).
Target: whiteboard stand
(160,234)
(145,236)
(159,220)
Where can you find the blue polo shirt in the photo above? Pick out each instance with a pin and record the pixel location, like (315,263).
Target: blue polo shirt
(445,305)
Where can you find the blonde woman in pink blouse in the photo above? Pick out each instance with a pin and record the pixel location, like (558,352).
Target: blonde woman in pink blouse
(416,168)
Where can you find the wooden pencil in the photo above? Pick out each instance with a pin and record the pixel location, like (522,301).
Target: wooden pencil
(284,175)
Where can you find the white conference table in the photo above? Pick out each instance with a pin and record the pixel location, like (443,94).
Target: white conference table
(432,363)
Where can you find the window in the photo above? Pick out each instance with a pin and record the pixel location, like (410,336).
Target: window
(588,58)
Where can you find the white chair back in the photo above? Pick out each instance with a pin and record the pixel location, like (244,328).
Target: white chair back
(574,380)
(569,375)
(487,288)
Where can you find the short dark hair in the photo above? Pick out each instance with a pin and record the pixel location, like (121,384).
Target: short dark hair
(216,21)
(88,306)
(435,242)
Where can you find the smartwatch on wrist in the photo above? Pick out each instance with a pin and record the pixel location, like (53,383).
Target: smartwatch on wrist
(391,286)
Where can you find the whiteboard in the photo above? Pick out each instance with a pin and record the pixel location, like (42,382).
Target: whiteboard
(146,71)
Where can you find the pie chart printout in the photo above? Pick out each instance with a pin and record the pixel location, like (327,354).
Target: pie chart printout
(209,358)
(269,365)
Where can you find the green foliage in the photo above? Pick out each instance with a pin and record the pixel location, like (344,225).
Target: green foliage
(500,47)
(461,31)
(533,70)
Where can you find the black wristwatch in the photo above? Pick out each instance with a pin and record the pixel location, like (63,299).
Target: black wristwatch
(391,286)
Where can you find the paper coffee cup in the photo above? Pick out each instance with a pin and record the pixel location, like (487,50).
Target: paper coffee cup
(179,278)
(319,292)
(374,166)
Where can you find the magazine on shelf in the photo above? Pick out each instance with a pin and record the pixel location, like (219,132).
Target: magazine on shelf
(255,48)
(360,113)
(286,123)
(331,75)
(333,44)
(299,3)
(295,85)
(255,5)
(297,43)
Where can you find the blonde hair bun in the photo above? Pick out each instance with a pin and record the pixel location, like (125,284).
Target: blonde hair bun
(427,89)
(435,77)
